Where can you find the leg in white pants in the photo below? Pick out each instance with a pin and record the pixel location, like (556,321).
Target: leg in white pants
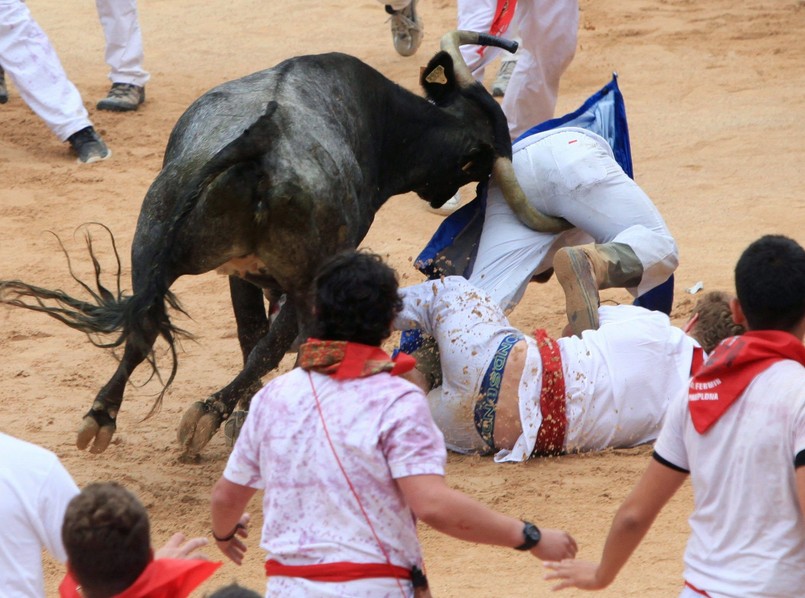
(124,42)
(33,66)
(569,173)
(549,30)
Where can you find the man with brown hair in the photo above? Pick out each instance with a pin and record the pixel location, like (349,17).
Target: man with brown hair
(107,537)
(522,397)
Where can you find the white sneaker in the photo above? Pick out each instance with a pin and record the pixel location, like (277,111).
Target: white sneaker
(502,80)
(448,207)
(406,29)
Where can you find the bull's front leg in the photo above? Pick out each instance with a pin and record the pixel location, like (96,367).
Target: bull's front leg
(203,418)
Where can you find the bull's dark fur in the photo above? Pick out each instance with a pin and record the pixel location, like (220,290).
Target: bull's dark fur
(289,164)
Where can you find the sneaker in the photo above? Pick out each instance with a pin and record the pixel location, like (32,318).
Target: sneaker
(406,29)
(502,80)
(88,146)
(3,88)
(448,207)
(122,97)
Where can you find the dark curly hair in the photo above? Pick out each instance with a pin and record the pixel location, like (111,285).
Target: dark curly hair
(714,322)
(356,298)
(770,281)
(107,537)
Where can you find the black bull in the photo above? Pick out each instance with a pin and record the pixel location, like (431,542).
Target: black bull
(263,178)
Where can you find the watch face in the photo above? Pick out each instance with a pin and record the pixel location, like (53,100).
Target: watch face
(531,537)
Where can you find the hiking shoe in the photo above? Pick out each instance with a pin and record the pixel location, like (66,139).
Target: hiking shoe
(406,29)
(123,97)
(502,80)
(3,88)
(448,207)
(88,146)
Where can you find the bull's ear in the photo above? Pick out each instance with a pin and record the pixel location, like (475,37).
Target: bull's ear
(438,79)
(477,163)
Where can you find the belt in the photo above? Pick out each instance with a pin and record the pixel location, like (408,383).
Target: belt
(335,572)
(490,390)
(552,402)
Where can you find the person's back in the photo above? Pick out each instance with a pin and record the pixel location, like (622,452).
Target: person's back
(310,516)
(34,492)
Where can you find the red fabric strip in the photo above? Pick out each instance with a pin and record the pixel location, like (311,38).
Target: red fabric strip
(731,367)
(334,572)
(552,404)
(697,361)
(697,590)
(504,12)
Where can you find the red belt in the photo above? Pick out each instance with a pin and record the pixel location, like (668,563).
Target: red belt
(341,571)
(697,590)
(552,402)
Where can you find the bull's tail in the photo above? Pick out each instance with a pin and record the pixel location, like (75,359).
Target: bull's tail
(108,318)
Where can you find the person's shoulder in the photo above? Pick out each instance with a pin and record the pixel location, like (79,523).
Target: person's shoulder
(19,449)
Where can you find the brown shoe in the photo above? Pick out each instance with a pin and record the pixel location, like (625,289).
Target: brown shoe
(123,97)
(576,273)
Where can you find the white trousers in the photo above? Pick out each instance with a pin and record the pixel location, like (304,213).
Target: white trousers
(31,63)
(619,379)
(548,30)
(124,41)
(571,173)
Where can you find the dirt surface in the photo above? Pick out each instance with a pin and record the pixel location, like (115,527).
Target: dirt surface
(715,105)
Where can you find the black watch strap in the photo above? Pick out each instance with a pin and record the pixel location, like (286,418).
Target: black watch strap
(531,536)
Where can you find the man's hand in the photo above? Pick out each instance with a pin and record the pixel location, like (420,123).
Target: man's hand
(574,574)
(555,545)
(179,547)
(234,548)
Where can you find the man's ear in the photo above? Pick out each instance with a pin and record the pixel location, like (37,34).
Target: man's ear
(737,312)
(438,79)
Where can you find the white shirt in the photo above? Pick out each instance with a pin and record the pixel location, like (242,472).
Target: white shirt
(382,430)
(747,531)
(34,491)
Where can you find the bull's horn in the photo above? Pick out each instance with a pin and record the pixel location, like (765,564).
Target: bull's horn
(452,40)
(503,173)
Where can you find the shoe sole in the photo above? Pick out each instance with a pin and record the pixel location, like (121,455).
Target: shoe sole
(96,158)
(117,108)
(574,273)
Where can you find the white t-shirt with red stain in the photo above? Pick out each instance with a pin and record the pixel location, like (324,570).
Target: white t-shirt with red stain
(747,529)
(382,430)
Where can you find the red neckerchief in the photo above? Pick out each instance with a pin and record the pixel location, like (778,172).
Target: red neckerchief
(732,365)
(162,578)
(504,12)
(343,360)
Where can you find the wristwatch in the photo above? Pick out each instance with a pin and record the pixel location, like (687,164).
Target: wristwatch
(531,536)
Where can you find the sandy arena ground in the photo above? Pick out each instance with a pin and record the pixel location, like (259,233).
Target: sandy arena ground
(714,94)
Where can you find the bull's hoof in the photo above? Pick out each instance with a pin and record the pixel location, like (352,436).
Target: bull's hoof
(92,431)
(198,425)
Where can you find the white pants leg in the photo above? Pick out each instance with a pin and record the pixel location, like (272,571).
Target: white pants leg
(33,66)
(124,41)
(549,30)
(569,173)
(468,327)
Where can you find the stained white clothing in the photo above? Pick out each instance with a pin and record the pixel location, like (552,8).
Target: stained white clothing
(124,41)
(382,430)
(31,63)
(548,30)
(569,172)
(34,491)
(747,530)
(618,379)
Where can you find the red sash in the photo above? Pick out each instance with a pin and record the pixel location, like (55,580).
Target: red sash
(504,12)
(732,366)
(343,360)
(552,402)
(333,572)
(162,578)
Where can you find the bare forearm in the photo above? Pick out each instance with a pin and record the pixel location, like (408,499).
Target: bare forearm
(624,537)
(228,503)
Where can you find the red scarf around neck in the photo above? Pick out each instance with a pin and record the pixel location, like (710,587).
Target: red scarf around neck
(732,365)
(343,360)
(162,578)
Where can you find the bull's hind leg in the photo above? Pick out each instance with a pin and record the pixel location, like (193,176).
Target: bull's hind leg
(99,424)
(202,419)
